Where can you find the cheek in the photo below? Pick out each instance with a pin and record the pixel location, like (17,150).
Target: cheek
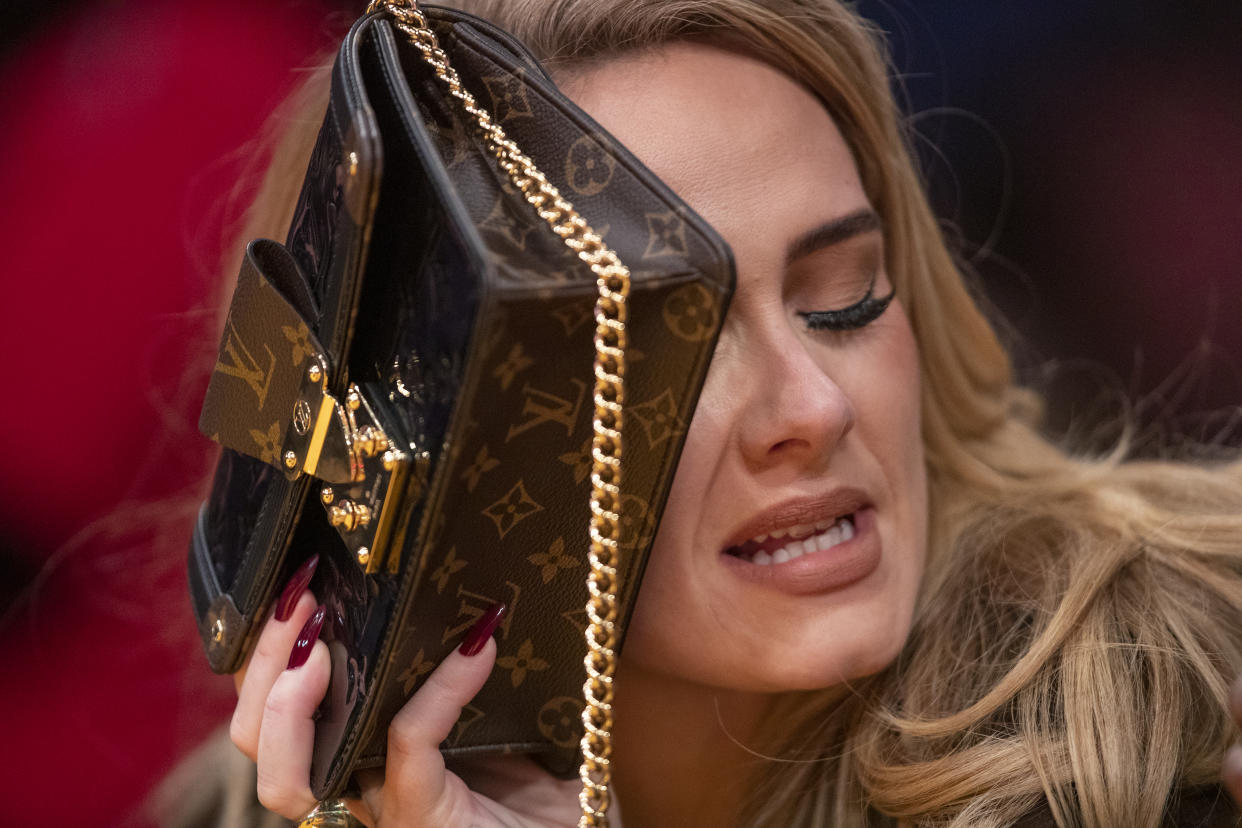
(885,389)
(897,442)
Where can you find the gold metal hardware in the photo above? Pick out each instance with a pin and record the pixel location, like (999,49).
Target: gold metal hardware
(332,813)
(365,510)
(217,630)
(319,433)
(349,516)
(328,440)
(613,282)
(370,441)
(341,517)
(340,444)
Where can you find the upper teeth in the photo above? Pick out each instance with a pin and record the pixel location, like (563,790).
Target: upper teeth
(830,533)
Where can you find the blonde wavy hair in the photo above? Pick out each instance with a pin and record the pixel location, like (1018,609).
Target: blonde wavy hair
(1082,616)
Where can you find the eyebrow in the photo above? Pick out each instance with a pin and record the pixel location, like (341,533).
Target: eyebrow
(833,232)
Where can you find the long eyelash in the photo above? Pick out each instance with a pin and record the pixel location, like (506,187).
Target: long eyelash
(858,315)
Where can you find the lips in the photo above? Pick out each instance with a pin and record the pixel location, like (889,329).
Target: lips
(799,518)
(761,550)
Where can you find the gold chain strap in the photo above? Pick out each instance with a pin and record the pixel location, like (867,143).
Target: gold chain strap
(613,280)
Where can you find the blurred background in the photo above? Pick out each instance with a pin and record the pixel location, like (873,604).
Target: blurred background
(1086,159)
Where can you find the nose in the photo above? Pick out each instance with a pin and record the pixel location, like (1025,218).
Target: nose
(792,412)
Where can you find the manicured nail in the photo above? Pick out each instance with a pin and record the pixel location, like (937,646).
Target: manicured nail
(482,630)
(293,590)
(306,639)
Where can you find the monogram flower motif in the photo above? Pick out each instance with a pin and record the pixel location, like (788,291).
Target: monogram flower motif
(299,336)
(580,460)
(690,313)
(659,419)
(553,561)
(516,362)
(666,235)
(522,663)
(508,95)
(560,721)
(588,166)
(269,442)
(482,465)
(511,509)
(446,569)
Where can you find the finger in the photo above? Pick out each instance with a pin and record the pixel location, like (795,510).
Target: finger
(267,662)
(286,602)
(416,781)
(415,775)
(287,735)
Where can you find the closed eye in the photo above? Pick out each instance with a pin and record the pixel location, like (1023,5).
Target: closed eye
(858,315)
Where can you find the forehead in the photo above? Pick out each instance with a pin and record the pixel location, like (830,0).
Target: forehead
(739,140)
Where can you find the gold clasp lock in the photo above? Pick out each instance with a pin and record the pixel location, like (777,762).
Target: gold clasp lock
(279,411)
(346,446)
(320,438)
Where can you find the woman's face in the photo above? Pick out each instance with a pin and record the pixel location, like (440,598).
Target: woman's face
(807,431)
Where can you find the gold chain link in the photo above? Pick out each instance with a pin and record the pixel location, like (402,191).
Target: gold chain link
(613,280)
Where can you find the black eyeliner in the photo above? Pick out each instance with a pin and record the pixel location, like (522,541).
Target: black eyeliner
(858,315)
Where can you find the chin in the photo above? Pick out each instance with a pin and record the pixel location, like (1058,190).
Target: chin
(833,664)
(834,655)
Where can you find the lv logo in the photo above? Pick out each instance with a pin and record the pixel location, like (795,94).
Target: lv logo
(235,360)
(541,407)
(474,604)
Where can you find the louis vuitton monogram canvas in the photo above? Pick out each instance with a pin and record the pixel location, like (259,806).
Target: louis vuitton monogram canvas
(264,352)
(512,501)
(477,339)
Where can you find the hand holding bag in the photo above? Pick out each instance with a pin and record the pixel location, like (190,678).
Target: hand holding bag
(424,386)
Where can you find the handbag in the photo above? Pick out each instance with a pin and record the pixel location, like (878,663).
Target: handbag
(424,385)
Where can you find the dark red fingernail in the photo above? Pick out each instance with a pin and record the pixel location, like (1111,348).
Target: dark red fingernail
(293,590)
(482,630)
(306,639)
